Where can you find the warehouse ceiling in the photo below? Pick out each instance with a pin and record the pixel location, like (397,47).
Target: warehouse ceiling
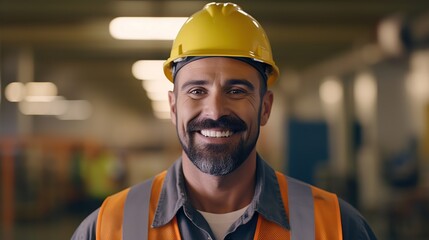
(70,44)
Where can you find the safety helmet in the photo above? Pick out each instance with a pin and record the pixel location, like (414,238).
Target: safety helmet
(224,30)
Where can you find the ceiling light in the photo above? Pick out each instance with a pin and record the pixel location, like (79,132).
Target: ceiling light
(146,28)
(55,107)
(157,96)
(157,86)
(365,96)
(76,110)
(60,107)
(331,91)
(417,81)
(15,92)
(148,70)
(365,90)
(161,106)
(161,109)
(40,91)
(31,92)
(390,33)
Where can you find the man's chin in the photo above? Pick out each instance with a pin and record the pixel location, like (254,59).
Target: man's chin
(216,169)
(217,148)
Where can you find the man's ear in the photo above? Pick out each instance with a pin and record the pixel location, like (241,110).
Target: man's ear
(173,109)
(267,103)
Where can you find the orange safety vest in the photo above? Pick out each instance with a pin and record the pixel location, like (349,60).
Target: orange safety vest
(319,219)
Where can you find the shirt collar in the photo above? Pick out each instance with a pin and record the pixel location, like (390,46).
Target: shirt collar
(266,201)
(172,197)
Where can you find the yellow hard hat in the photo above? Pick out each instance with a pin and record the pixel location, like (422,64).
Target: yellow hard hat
(222,29)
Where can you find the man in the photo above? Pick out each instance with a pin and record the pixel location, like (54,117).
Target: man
(221,64)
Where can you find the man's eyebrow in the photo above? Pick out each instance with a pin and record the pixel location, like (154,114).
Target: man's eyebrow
(193,83)
(241,82)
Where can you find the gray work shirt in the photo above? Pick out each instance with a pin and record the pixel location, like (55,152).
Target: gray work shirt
(174,202)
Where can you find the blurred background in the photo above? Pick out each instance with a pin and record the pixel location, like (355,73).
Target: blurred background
(82,111)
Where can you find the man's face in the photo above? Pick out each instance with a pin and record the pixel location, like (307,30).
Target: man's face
(218,109)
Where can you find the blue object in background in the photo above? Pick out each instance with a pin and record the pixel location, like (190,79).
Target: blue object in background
(308,148)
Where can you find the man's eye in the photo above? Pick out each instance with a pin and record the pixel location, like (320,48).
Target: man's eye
(237,91)
(196,91)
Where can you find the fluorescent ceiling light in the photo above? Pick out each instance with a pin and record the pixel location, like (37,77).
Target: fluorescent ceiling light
(365,96)
(365,90)
(157,96)
(56,107)
(148,70)
(77,110)
(161,109)
(331,91)
(146,28)
(15,92)
(41,89)
(31,92)
(39,98)
(60,107)
(389,35)
(154,81)
(161,106)
(155,84)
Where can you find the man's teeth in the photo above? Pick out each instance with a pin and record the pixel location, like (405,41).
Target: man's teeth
(216,134)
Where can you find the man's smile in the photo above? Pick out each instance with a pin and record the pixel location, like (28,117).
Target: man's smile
(216,133)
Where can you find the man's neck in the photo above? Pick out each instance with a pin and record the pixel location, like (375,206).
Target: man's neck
(220,194)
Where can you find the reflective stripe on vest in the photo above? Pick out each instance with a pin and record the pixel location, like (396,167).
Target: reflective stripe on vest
(136,211)
(301,210)
(313,214)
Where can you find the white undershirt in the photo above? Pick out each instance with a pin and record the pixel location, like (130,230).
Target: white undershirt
(220,223)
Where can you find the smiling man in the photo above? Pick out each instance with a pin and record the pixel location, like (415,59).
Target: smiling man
(220,188)
(217,109)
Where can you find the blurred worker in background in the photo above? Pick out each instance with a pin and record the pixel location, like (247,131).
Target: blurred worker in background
(221,65)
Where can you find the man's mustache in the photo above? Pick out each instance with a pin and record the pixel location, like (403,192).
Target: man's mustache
(232,123)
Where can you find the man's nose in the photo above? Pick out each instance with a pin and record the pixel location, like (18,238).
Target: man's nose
(216,106)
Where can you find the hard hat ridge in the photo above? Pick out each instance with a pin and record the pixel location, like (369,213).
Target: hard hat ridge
(221,8)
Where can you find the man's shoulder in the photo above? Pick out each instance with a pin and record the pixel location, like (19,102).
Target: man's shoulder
(87,228)
(353,223)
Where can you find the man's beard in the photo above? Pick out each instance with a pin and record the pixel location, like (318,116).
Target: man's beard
(218,159)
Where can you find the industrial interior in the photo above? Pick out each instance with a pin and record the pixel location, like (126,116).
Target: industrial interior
(84,111)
